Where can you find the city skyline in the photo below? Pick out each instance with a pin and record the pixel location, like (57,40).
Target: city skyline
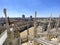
(44,8)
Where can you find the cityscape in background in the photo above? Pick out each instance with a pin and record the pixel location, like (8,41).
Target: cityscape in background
(29,22)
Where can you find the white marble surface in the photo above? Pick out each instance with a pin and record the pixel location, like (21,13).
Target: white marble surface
(3,38)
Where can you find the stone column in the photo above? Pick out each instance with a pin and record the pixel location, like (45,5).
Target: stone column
(58,22)
(28,43)
(35,25)
(8,29)
(35,28)
(17,34)
(48,30)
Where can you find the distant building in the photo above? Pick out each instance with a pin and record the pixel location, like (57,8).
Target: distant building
(2,21)
(31,18)
(23,17)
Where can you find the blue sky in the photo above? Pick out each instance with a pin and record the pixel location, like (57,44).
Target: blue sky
(44,8)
